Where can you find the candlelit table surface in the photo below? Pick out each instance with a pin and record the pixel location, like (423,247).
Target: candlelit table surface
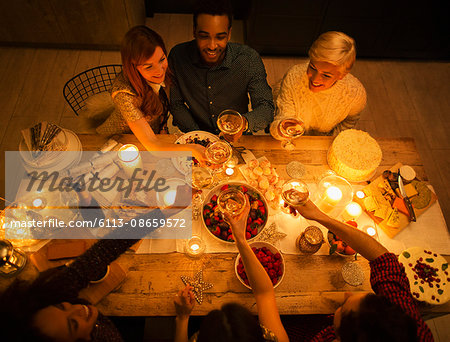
(313,283)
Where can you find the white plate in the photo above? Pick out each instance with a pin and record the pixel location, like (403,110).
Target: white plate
(424,292)
(184,164)
(69,158)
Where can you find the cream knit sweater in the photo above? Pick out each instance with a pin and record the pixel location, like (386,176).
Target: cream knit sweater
(326,112)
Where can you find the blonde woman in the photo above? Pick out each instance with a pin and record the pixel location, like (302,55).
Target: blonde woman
(322,92)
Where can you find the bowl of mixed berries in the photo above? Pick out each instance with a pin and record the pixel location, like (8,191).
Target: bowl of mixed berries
(214,220)
(269,257)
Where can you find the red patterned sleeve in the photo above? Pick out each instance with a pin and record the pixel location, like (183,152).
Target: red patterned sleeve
(326,335)
(388,278)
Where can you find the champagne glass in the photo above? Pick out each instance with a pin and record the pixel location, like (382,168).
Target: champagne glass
(230,122)
(218,153)
(200,178)
(286,130)
(231,201)
(294,193)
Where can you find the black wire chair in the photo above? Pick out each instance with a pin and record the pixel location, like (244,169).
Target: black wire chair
(88,83)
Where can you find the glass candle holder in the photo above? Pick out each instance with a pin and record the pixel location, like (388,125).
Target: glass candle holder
(129,158)
(12,260)
(195,246)
(333,194)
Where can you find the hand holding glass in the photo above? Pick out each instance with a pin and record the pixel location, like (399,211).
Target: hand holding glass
(286,130)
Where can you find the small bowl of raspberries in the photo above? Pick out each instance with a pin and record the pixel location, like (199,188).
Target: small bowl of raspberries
(271,259)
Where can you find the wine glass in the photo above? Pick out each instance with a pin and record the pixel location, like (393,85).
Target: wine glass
(294,193)
(200,178)
(286,130)
(231,201)
(230,122)
(218,153)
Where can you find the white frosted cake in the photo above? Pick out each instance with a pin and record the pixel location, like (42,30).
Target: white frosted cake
(354,155)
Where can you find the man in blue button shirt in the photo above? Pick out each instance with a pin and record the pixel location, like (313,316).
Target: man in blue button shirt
(213,74)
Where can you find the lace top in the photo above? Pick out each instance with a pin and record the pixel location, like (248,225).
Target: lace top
(326,112)
(128,109)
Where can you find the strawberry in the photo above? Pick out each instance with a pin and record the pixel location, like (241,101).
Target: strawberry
(349,251)
(254,231)
(214,198)
(248,235)
(223,188)
(208,221)
(352,223)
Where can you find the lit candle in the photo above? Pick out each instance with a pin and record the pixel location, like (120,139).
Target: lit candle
(169,197)
(195,246)
(352,212)
(232,162)
(371,231)
(129,158)
(229,171)
(360,194)
(331,197)
(39,203)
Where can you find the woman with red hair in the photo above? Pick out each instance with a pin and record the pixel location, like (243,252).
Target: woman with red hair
(139,94)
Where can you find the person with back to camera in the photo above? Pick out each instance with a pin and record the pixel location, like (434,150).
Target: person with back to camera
(49,308)
(140,100)
(391,314)
(213,74)
(323,93)
(233,322)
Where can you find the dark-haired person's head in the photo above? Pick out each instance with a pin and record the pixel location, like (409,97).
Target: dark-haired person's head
(212,29)
(232,322)
(373,318)
(32,312)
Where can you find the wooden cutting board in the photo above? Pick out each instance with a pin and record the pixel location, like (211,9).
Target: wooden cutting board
(403,218)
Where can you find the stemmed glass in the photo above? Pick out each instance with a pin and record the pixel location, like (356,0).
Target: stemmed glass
(286,130)
(294,193)
(200,177)
(218,153)
(230,122)
(231,201)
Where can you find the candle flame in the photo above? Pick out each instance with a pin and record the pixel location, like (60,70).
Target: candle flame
(128,153)
(195,247)
(37,202)
(169,197)
(229,171)
(371,231)
(360,194)
(334,193)
(354,209)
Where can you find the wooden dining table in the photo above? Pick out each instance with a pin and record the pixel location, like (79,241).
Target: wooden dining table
(312,284)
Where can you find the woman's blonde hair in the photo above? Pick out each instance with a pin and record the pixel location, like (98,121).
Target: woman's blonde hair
(334,47)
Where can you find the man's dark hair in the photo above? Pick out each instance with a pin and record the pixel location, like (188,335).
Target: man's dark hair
(377,320)
(213,7)
(232,322)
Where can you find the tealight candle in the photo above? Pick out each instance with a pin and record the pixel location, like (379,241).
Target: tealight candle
(360,194)
(169,197)
(195,247)
(39,203)
(129,158)
(352,211)
(229,171)
(331,197)
(371,231)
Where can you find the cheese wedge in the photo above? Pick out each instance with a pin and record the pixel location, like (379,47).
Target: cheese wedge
(382,212)
(410,190)
(371,203)
(401,206)
(393,219)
